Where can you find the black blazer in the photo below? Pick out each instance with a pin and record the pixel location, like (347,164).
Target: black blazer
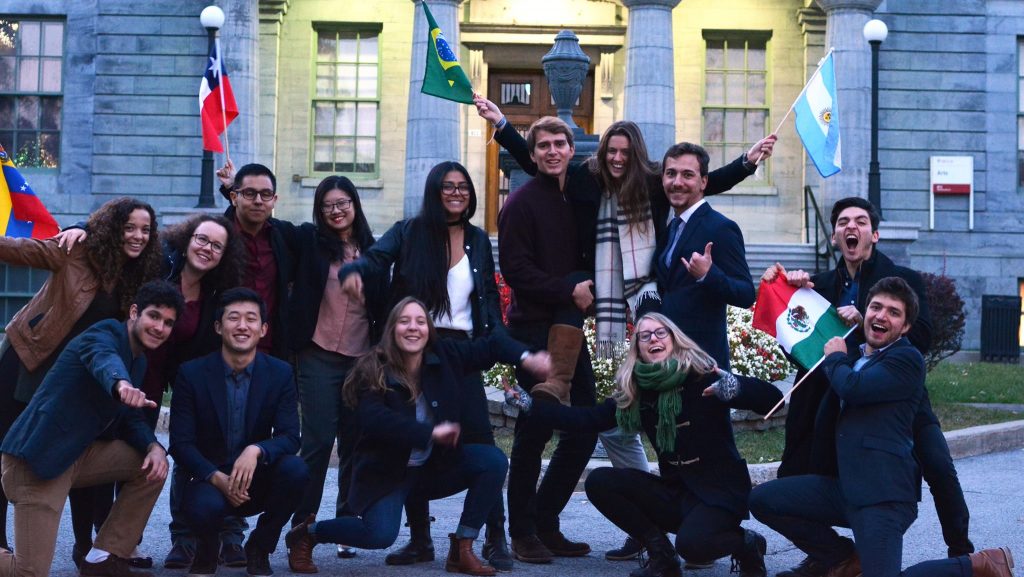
(699,308)
(387,425)
(874,436)
(199,414)
(584,190)
(312,263)
(705,460)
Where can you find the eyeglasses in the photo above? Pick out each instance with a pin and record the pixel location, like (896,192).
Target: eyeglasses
(452,189)
(644,336)
(341,205)
(250,194)
(203,240)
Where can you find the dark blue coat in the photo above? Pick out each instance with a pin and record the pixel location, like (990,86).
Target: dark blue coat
(75,403)
(388,429)
(874,437)
(698,308)
(199,414)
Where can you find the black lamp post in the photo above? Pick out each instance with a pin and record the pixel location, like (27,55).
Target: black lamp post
(212,18)
(875,32)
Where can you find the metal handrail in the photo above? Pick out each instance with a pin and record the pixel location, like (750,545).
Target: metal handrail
(822,247)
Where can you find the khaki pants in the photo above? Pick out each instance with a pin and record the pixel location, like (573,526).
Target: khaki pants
(39,503)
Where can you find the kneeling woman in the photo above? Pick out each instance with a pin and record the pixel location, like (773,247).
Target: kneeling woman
(406,395)
(670,388)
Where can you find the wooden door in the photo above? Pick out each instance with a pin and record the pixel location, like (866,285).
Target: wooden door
(523,96)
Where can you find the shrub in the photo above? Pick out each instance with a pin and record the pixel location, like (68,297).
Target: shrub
(946,309)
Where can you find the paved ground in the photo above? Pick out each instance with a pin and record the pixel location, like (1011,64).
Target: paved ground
(992,483)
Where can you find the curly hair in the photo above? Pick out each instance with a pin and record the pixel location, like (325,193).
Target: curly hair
(227,274)
(104,248)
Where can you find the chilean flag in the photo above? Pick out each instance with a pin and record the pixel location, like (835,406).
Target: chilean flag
(217,106)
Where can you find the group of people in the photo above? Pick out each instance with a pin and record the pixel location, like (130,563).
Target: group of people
(280,341)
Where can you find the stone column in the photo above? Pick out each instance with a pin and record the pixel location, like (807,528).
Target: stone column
(650,98)
(240,41)
(432,128)
(843,32)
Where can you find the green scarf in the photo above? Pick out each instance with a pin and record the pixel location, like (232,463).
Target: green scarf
(666,379)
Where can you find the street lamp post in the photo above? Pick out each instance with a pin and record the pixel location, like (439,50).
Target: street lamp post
(212,18)
(875,32)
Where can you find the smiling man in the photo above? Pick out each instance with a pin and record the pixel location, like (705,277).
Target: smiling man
(84,427)
(235,431)
(875,392)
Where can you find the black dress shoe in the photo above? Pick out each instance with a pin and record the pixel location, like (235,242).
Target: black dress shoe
(232,555)
(141,562)
(204,564)
(346,552)
(257,563)
(629,550)
(180,556)
(112,566)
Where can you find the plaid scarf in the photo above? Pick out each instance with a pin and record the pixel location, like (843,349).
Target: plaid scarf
(622,271)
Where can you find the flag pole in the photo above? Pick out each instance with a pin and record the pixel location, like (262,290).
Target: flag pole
(789,393)
(792,106)
(223,112)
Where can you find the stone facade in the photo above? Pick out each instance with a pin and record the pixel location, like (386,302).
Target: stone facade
(948,87)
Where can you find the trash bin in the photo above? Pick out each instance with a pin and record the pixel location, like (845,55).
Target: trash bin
(1000,328)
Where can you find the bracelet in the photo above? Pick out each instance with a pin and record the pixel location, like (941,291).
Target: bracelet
(501,123)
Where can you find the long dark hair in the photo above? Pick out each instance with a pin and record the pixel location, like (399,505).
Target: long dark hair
(361,233)
(104,249)
(426,251)
(371,371)
(228,273)
(631,189)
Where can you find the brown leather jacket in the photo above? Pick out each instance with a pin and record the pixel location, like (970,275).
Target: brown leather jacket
(40,326)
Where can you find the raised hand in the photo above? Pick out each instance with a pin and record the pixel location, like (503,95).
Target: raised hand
(699,264)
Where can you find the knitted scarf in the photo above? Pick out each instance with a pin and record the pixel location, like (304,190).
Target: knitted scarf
(622,258)
(666,379)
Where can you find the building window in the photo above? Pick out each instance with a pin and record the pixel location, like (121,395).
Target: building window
(346,101)
(31,82)
(1020,114)
(736,95)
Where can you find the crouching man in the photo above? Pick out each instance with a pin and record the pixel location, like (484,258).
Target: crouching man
(874,482)
(235,431)
(84,427)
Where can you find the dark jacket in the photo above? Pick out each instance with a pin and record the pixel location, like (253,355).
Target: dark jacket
(199,414)
(75,404)
(312,263)
(699,308)
(874,438)
(485,302)
(388,429)
(705,460)
(584,190)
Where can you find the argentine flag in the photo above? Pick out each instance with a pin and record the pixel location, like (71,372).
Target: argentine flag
(817,119)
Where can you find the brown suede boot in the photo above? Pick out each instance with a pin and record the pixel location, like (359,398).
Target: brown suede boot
(848,568)
(461,558)
(564,343)
(300,547)
(992,563)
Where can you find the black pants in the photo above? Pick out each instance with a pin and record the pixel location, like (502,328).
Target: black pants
(639,503)
(531,509)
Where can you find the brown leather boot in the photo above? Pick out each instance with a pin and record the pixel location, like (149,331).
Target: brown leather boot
(848,568)
(564,343)
(992,563)
(300,547)
(461,558)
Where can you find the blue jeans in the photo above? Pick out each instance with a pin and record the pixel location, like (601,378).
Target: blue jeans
(320,375)
(479,468)
(232,529)
(804,509)
(272,493)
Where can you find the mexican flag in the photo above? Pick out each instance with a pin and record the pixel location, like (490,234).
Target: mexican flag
(800,319)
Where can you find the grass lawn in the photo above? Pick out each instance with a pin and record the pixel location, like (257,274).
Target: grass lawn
(976,383)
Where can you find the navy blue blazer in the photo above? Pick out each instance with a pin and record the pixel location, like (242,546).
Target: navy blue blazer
(199,414)
(698,308)
(75,403)
(387,425)
(875,430)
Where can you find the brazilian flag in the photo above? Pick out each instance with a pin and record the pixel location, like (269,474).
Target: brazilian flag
(444,76)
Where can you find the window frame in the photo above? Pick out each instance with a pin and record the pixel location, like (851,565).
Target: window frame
(1019,73)
(337,28)
(15,94)
(746,36)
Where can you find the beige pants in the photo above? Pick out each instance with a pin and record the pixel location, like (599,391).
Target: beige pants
(39,503)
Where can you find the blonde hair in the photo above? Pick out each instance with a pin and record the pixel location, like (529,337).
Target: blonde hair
(689,356)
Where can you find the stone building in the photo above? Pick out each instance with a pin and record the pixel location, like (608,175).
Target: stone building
(98,100)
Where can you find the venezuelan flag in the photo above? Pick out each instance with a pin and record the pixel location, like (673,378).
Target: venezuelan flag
(22,214)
